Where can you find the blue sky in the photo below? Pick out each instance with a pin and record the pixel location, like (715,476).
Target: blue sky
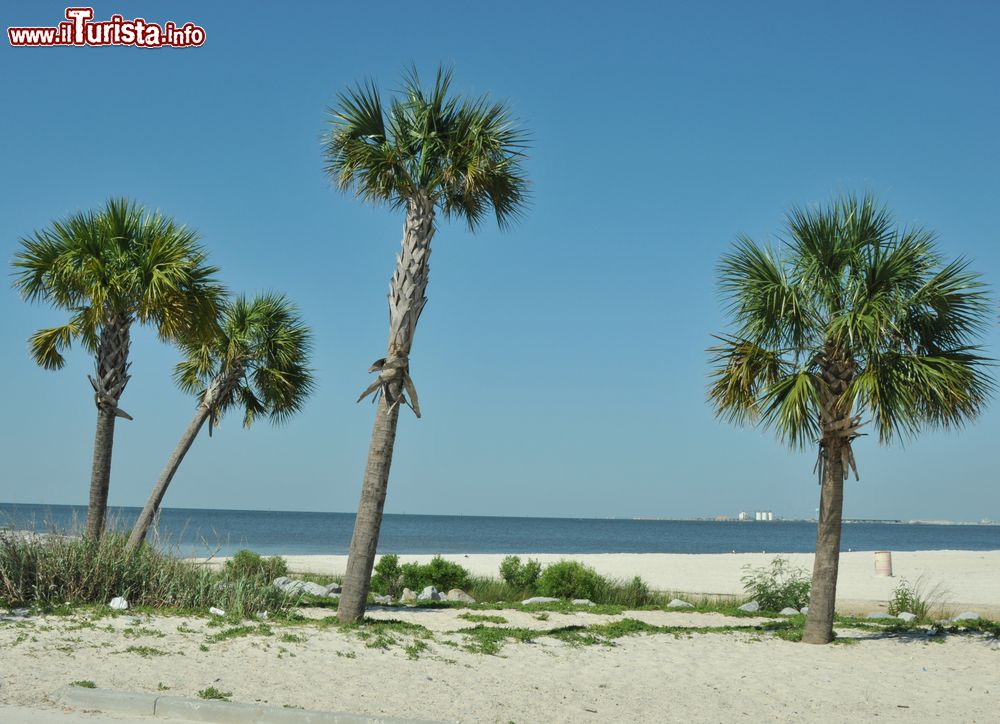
(561,364)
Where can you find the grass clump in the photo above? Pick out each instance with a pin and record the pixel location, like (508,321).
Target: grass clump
(51,570)
(212,693)
(778,586)
(480,618)
(84,684)
(915,598)
(249,565)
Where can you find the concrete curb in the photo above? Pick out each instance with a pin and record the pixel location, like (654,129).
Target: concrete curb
(198,710)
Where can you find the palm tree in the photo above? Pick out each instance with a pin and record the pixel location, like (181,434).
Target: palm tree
(854,319)
(257,360)
(426,153)
(110,269)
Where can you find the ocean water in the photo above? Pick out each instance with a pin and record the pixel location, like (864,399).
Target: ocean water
(201,532)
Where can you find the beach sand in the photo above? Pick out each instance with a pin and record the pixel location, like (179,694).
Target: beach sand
(664,677)
(675,675)
(969,580)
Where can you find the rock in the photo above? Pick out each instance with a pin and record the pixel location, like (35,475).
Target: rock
(995,646)
(334,588)
(539,599)
(408,596)
(291,586)
(583,602)
(907,616)
(750,607)
(678,603)
(804,610)
(879,615)
(457,594)
(383,600)
(216,611)
(262,615)
(118,603)
(789,611)
(967,616)
(429,594)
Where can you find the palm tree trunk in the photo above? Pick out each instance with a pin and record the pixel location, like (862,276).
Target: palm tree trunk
(823,595)
(406,302)
(100,473)
(109,382)
(148,514)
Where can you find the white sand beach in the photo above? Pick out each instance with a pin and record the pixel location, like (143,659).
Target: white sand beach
(661,677)
(968,579)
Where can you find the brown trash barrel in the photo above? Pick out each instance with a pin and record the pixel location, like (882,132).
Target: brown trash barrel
(883,563)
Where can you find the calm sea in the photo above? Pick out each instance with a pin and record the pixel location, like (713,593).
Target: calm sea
(196,531)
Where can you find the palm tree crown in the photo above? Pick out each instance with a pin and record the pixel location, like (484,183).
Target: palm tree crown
(465,155)
(856,317)
(256,361)
(121,263)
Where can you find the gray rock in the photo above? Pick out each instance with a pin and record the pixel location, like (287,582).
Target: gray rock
(539,599)
(789,611)
(457,594)
(19,612)
(118,603)
(408,596)
(583,602)
(430,593)
(216,611)
(334,588)
(290,585)
(967,616)
(907,616)
(804,610)
(750,607)
(995,646)
(879,615)
(383,600)
(678,603)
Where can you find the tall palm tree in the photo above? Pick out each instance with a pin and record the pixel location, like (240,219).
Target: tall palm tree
(257,361)
(855,320)
(111,269)
(427,152)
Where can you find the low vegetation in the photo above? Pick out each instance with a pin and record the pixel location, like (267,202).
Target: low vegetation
(247,565)
(917,598)
(777,586)
(53,570)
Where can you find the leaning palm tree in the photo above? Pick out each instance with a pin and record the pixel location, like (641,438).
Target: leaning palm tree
(855,320)
(111,269)
(427,152)
(257,361)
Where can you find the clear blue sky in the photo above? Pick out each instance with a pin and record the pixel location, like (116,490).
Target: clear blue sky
(561,365)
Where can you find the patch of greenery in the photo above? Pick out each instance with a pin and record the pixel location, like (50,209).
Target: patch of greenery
(235,632)
(249,565)
(778,586)
(414,649)
(137,631)
(212,693)
(391,578)
(84,684)
(290,638)
(478,618)
(145,651)
(520,575)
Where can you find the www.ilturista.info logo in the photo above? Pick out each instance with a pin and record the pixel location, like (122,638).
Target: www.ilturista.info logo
(80,29)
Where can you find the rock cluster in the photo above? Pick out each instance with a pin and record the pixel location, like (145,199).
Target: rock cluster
(291,585)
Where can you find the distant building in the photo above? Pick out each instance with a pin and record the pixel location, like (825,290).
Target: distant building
(744,516)
(763,515)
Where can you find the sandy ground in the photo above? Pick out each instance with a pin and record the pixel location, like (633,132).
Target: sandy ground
(642,678)
(969,580)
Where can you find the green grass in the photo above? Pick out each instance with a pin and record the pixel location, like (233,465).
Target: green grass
(479,618)
(235,632)
(84,684)
(47,572)
(214,694)
(145,651)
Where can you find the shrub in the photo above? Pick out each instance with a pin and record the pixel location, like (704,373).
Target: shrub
(572,579)
(915,598)
(388,578)
(519,575)
(391,578)
(439,573)
(778,586)
(247,564)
